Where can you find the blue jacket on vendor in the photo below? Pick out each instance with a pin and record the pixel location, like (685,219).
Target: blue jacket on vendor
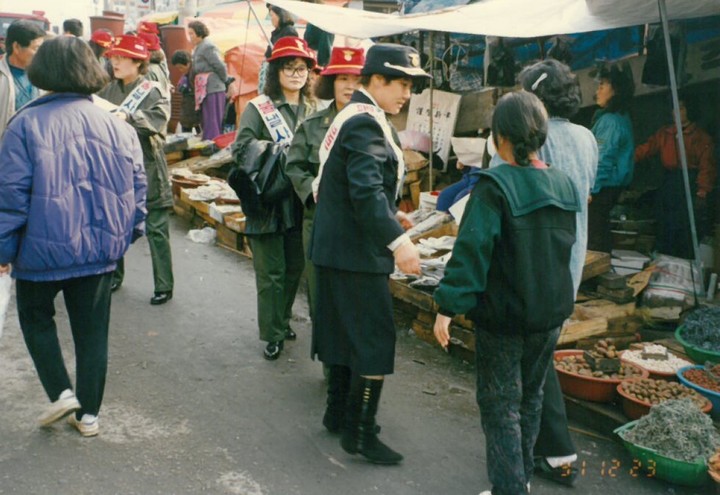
(72,194)
(616,148)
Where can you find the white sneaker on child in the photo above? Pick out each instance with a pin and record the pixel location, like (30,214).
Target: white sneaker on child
(66,403)
(87,425)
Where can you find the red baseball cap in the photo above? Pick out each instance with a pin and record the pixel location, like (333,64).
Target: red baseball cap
(102,37)
(148,27)
(291,47)
(345,60)
(151,40)
(130,47)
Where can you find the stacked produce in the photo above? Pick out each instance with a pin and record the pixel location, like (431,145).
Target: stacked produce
(658,391)
(676,429)
(650,358)
(578,365)
(709,379)
(701,328)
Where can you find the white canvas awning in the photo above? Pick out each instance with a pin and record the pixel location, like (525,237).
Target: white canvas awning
(508,18)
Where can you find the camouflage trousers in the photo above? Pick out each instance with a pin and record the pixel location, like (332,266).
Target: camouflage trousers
(510,375)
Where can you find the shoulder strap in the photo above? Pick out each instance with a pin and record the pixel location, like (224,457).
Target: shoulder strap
(273,119)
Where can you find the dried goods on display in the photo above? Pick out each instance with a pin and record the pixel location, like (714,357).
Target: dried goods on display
(603,357)
(708,379)
(577,365)
(701,328)
(655,358)
(658,391)
(676,429)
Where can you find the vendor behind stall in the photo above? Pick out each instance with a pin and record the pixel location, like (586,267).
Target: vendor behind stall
(670,202)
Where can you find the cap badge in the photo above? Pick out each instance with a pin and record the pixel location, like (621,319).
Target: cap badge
(415,60)
(347,54)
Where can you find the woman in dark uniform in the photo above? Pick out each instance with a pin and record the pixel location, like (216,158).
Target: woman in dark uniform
(359,236)
(337,83)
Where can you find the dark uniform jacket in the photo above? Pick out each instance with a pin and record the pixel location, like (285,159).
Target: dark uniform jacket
(150,122)
(285,214)
(510,267)
(355,215)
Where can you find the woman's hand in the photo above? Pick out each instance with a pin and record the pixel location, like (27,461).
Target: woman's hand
(442,329)
(404,220)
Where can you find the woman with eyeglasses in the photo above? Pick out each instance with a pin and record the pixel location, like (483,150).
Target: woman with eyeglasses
(275,230)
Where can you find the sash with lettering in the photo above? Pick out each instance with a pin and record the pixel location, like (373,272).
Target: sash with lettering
(352,109)
(273,119)
(132,101)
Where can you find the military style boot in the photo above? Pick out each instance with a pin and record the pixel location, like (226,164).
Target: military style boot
(337,392)
(360,435)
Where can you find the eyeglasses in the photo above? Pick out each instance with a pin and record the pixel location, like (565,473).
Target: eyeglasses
(292,71)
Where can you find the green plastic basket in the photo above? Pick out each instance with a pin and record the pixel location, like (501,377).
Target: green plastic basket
(665,468)
(697,354)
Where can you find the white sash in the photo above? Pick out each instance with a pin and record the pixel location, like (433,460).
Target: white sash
(273,119)
(132,102)
(352,109)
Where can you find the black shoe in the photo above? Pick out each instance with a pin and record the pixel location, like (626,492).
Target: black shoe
(564,475)
(115,286)
(272,350)
(290,334)
(160,298)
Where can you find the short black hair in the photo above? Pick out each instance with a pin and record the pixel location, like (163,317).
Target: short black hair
(181,57)
(325,87)
(555,85)
(157,56)
(23,32)
(621,79)
(521,118)
(285,18)
(365,79)
(73,26)
(201,30)
(66,64)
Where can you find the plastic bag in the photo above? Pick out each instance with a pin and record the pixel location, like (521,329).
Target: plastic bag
(674,282)
(5,288)
(202,236)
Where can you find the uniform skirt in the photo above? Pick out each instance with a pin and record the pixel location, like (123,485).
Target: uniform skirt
(354,321)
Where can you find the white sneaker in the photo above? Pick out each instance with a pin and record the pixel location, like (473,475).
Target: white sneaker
(66,403)
(489,492)
(87,425)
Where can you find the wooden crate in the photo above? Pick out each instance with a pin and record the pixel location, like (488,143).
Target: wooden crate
(574,330)
(596,263)
(235,221)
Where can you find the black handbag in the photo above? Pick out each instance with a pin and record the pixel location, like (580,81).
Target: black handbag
(258,177)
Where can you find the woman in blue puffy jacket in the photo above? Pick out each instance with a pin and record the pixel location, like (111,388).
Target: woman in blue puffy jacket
(72,199)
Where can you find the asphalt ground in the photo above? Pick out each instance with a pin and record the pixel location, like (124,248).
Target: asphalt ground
(192,407)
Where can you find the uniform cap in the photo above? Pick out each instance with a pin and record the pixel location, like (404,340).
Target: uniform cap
(345,60)
(292,46)
(130,47)
(102,37)
(151,40)
(389,59)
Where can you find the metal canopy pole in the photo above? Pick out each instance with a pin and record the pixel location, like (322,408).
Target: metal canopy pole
(432,119)
(678,127)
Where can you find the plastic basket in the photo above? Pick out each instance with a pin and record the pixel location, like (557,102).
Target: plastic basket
(696,354)
(662,467)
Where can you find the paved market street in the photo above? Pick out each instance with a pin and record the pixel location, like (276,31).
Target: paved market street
(192,407)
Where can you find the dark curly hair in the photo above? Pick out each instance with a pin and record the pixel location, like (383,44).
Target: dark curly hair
(201,30)
(325,87)
(621,79)
(272,79)
(555,85)
(521,118)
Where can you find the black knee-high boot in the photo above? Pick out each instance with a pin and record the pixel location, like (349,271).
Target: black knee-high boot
(360,435)
(337,393)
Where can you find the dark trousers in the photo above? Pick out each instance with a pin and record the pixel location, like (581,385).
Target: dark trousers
(278,260)
(511,371)
(310,275)
(599,235)
(87,300)
(554,438)
(157,226)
